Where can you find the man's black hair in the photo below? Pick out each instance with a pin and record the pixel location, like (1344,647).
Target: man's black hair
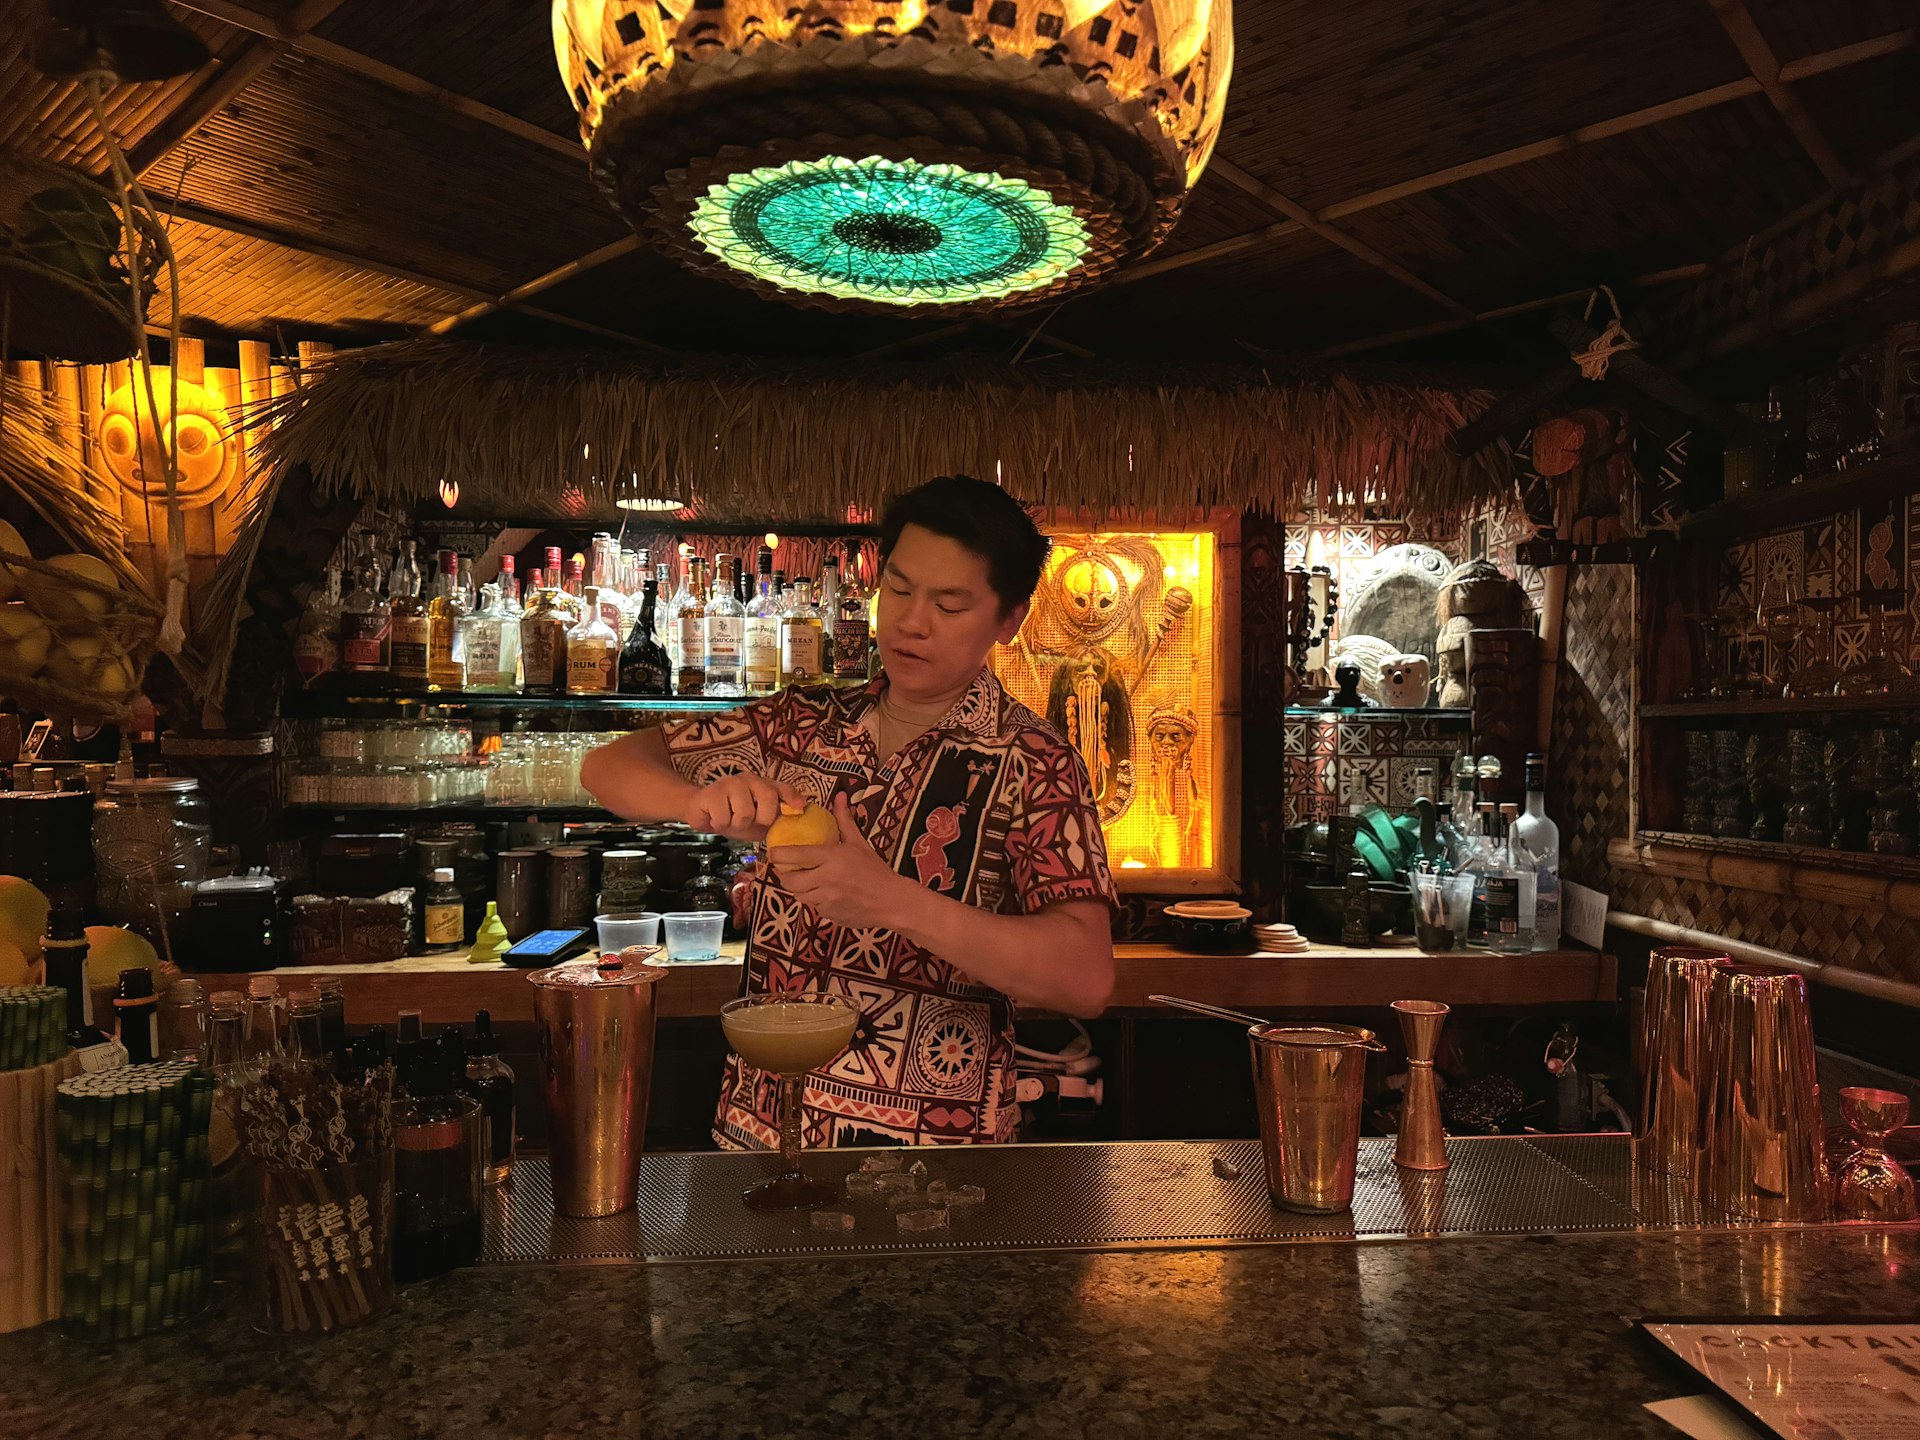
(982,517)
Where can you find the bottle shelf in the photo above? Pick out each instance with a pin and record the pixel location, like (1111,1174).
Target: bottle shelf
(1813,705)
(489,811)
(351,700)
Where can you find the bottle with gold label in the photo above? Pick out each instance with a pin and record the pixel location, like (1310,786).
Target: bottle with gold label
(543,632)
(800,638)
(593,651)
(691,619)
(443,619)
(726,632)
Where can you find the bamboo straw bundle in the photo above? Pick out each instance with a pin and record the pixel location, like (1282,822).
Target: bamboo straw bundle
(33,1025)
(133,1164)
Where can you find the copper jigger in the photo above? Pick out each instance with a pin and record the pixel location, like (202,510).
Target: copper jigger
(1673,1058)
(596,1022)
(1765,1152)
(1422,1143)
(1872,1185)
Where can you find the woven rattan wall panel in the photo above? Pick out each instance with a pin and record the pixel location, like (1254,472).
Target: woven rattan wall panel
(1592,720)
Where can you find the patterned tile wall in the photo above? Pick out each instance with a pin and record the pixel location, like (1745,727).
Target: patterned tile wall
(1337,761)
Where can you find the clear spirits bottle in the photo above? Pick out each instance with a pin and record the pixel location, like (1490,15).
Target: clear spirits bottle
(850,631)
(800,639)
(763,634)
(365,621)
(1510,892)
(1539,839)
(509,584)
(316,642)
(827,605)
(666,619)
(690,673)
(644,666)
(490,666)
(407,623)
(444,671)
(593,651)
(726,625)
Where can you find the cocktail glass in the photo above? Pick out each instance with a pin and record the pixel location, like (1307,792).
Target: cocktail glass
(1816,674)
(789,1035)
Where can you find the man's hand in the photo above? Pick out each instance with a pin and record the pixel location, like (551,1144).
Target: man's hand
(848,883)
(741,807)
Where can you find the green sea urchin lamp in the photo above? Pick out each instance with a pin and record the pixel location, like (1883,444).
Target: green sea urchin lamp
(891,232)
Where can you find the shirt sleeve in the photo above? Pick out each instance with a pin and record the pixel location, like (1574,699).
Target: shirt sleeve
(1055,848)
(706,748)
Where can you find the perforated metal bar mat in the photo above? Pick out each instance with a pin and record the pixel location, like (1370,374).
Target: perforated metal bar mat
(1099,1197)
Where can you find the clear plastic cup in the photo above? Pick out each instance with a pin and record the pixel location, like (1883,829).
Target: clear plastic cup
(694,934)
(627,927)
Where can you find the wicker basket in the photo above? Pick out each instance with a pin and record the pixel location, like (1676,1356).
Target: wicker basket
(64,289)
(127,622)
(29,1195)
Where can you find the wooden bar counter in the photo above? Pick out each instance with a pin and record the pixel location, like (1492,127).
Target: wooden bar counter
(447,988)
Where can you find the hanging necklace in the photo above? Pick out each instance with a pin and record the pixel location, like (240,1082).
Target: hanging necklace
(907,724)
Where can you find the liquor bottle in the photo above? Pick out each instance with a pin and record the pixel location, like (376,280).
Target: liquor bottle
(800,636)
(763,634)
(263,1042)
(407,623)
(509,584)
(137,1015)
(1510,893)
(446,913)
(466,595)
(593,651)
(491,664)
(490,1081)
(65,952)
(316,642)
(1539,837)
(444,670)
(575,585)
(364,620)
(645,668)
(726,624)
(827,603)
(851,634)
(690,675)
(667,617)
(543,634)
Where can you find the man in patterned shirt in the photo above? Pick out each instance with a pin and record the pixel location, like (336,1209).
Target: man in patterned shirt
(970,874)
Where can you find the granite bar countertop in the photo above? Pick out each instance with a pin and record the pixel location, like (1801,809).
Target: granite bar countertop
(1509,1337)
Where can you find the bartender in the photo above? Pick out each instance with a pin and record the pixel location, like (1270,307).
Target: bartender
(970,874)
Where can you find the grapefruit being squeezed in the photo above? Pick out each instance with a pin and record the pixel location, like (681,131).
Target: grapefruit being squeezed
(813,825)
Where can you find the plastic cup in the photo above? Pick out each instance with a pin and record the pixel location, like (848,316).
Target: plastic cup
(694,934)
(627,927)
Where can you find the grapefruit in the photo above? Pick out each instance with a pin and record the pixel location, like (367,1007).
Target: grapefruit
(10,541)
(23,915)
(15,968)
(61,602)
(111,949)
(812,826)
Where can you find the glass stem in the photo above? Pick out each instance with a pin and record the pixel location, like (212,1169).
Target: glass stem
(791,1089)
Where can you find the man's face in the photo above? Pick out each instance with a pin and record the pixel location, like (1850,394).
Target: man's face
(939,616)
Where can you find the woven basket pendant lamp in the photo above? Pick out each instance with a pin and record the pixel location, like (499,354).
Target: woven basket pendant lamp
(927,156)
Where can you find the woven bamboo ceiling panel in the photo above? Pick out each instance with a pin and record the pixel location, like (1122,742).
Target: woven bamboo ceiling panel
(1383,170)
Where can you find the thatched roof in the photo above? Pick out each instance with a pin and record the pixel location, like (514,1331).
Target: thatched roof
(518,430)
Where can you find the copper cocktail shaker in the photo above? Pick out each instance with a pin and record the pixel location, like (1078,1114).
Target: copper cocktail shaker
(596,1021)
(1765,1139)
(1309,1081)
(1422,1142)
(1674,1054)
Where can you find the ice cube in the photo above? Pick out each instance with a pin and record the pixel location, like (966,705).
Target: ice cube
(879,1164)
(908,1200)
(893,1183)
(918,1170)
(836,1220)
(919,1221)
(965,1197)
(859,1185)
(937,1192)
(1225,1169)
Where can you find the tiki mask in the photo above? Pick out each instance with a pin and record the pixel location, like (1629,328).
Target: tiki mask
(135,450)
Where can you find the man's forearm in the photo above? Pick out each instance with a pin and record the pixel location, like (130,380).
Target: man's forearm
(1055,960)
(631,777)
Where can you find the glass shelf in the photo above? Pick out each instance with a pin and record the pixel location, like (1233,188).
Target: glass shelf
(350,701)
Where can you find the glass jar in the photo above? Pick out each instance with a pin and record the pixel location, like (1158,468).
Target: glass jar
(151,840)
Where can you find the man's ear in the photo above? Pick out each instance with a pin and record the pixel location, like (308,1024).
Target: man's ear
(1011,622)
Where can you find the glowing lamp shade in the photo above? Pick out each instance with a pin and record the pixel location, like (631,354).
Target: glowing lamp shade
(882,155)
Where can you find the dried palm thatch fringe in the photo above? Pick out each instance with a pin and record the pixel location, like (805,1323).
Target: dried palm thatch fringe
(528,434)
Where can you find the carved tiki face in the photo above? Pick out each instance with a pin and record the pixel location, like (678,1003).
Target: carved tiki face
(135,449)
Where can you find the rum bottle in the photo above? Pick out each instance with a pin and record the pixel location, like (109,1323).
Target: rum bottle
(444,671)
(763,634)
(365,621)
(691,610)
(316,642)
(593,651)
(726,625)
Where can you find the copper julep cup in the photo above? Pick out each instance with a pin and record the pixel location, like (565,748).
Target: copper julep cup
(596,1020)
(1309,1081)
(1765,1140)
(1422,1142)
(1674,1050)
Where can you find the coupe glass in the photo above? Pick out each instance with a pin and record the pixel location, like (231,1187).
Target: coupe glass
(1816,675)
(789,1035)
(1881,673)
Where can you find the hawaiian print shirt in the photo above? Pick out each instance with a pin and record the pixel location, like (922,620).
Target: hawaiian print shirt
(991,807)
